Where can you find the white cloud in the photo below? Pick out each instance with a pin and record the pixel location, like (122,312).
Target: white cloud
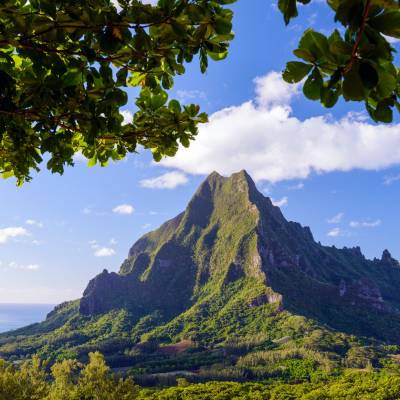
(33,222)
(32,267)
(100,251)
(123,209)
(271,90)
(104,252)
(335,232)
(336,219)
(264,137)
(128,117)
(113,241)
(365,224)
(12,232)
(28,267)
(146,226)
(298,186)
(388,180)
(169,180)
(190,95)
(280,203)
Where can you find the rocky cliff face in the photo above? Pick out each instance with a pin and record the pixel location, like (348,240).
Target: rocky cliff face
(231,232)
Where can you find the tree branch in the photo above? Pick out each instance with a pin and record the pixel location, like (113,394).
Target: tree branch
(359,36)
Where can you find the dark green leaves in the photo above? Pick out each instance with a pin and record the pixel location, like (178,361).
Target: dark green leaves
(289,8)
(357,66)
(313,85)
(368,75)
(296,71)
(388,23)
(353,87)
(65,66)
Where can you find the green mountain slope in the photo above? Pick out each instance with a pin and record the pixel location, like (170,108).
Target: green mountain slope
(229,287)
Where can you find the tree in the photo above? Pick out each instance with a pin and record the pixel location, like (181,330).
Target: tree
(358,65)
(64,66)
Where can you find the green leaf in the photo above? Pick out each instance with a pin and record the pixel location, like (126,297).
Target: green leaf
(353,87)
(218,56)
(315,43)
(369,75)
(313,85)
(122,75)
(295,71)
(288,8)
(158,100)
(341,48)
(383,113)
(223,25)
(304,54)
(388,23)
(137,79)
(329,97)
(92,161)
(72,78)
(174,106)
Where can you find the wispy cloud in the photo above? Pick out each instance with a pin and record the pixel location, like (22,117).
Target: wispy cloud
(101,251)
(336,219)
(25,267)
(123,209)
(388,180)
(11,233)
(280,203)
(190,95)
(104,252)
(169,180)
(335,232)
(365,224)
(298,186)
(33,222)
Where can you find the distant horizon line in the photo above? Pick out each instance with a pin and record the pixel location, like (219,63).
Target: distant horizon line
(26,304)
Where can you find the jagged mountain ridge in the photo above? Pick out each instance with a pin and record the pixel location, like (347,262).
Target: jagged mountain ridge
(185,253)
(229,266)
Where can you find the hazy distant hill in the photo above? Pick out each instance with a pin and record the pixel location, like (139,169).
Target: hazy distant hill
(229,288)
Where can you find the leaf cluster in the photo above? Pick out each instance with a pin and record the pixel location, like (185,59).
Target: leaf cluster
(65,67)
(357,65)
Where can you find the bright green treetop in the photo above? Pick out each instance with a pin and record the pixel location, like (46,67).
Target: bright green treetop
(64,66)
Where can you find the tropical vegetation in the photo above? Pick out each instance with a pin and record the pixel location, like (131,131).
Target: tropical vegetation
(66,67)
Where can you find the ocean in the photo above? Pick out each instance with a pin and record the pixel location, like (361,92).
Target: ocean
(13,316)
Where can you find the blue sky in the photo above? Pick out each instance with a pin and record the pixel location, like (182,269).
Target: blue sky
(331,170)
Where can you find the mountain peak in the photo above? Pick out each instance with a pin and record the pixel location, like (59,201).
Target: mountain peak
(388,259)
(230,262)
(244,176)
